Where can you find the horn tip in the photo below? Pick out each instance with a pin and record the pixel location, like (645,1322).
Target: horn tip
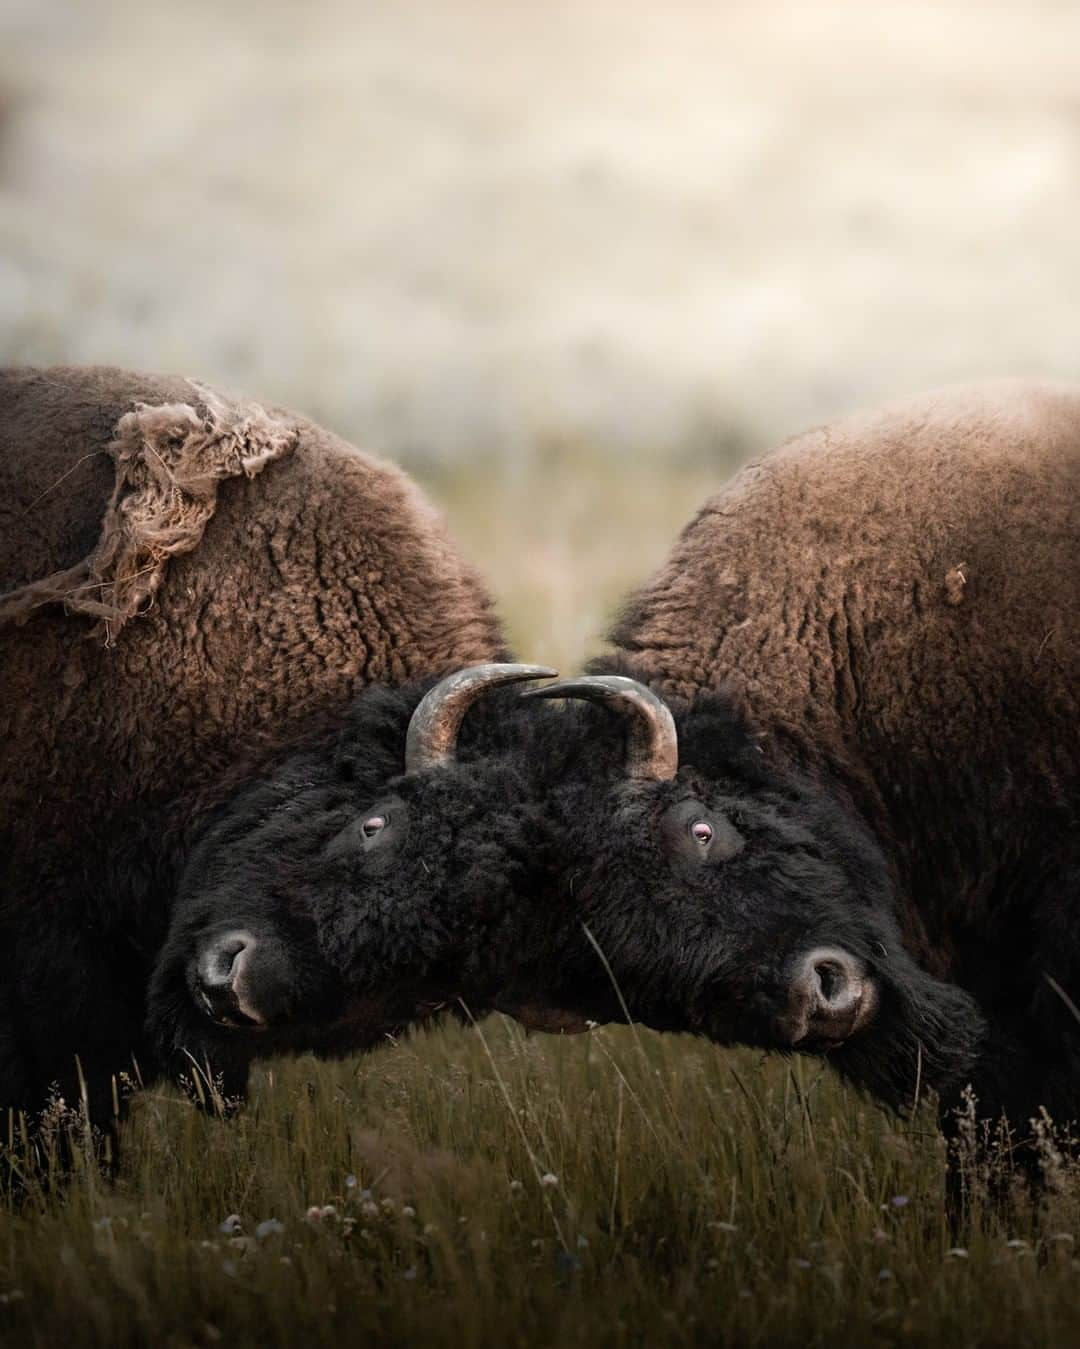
(549,691)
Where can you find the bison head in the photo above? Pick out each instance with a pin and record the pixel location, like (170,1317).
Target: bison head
(728,891)
(356,887)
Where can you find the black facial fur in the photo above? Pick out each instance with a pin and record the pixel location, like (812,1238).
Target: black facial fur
(397,894)
(380,893)
(702,935)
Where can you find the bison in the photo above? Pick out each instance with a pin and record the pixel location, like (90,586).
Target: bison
(827,795)
(197,592)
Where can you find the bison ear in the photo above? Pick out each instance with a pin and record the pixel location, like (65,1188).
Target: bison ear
(720,740)
(433,730)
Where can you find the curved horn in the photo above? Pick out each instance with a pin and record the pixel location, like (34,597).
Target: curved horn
(434,725)
(652,743)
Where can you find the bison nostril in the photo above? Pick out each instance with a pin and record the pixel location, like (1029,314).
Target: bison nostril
(221,988)
(219,963)
(829,998)
(835,986)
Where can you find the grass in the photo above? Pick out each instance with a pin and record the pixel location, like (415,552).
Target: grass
(478,1187)
(483,1188)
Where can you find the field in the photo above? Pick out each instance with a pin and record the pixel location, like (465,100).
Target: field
(477,1187)
(480,1188)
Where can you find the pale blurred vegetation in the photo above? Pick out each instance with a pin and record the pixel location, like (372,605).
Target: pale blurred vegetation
(562,537)
(449,227)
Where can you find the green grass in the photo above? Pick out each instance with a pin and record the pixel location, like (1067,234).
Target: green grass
(695,1196)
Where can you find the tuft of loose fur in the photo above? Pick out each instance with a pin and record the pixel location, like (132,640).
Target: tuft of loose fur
(169,460)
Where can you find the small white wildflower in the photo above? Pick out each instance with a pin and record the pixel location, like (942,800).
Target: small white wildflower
(388,1205)
(313,1215)
(350,1181)
(1016,1244)
(550,1179)
(369,1208)
(516,1187)
(956,1253)
(231,1225)
(408,1211)
(327,1211)
(269,1227)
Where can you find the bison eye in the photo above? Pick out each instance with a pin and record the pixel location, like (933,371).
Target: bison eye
(373,825)
(698,837)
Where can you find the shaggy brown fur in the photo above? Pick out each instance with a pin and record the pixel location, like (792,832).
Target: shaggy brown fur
(903,589)
(181,652)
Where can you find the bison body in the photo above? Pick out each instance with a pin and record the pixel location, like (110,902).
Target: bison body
(188,587)
(870,645)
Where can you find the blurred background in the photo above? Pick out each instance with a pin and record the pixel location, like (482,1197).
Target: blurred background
(568,261)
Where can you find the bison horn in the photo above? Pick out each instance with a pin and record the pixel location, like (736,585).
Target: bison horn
(434,726)
(652,743)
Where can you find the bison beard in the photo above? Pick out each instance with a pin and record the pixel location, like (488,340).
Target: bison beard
(925,1035)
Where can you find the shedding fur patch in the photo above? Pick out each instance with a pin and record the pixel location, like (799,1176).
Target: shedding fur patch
(955,581)
(169,460)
